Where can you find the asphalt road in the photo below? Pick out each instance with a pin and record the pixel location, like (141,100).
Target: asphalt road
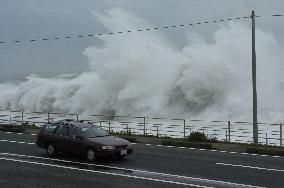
(22,164)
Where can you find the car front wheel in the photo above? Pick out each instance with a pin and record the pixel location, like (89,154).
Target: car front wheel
(50,150)
(91,155)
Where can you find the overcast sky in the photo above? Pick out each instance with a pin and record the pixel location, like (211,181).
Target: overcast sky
(33,19)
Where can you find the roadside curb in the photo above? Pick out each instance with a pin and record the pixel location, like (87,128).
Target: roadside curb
(267,151)
(17,129)
(8,128)
(187,144)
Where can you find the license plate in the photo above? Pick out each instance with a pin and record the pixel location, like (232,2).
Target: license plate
(123,152)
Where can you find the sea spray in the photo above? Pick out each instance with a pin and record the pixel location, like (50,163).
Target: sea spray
(143,73)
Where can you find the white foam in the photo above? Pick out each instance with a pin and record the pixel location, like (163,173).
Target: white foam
(143,73)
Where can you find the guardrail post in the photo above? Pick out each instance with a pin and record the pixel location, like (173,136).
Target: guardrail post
(229,130)
(127,129)
(109,126)
(184,129)
(144,123)
(48,117)
(157,130)
(22,118)
(281,132)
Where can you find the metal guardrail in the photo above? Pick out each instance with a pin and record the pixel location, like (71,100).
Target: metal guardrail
(230,131)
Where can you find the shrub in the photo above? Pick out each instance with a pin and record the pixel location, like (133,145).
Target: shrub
(28,125)
(200,137)
(196,137)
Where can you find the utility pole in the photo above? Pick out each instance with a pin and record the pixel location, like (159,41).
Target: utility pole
(254,93)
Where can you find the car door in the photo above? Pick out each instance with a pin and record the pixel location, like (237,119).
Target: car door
(60,138)
(74,144)
(47,133)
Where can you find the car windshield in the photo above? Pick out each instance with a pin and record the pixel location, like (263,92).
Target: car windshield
(92,132)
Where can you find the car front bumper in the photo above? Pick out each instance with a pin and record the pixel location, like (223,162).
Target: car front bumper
(114,153)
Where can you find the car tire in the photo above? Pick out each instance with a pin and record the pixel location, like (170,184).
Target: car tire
(91,155)
(50,150)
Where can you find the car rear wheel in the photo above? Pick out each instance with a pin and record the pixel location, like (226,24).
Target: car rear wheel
(50,150)
(91,155)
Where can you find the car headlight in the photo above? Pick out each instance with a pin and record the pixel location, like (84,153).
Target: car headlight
(108,147)
(130,146)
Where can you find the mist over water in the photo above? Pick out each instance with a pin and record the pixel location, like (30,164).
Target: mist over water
(143,73)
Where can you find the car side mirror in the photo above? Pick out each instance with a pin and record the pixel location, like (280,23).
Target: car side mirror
(78,137)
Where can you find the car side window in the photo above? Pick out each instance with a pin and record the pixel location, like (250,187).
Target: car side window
(62,130)
(50,128)
(73,131)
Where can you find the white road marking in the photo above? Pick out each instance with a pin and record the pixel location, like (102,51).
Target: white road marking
(252,167)
(18,142)
(129,169)
(211,150)
(18,133)
(107,173)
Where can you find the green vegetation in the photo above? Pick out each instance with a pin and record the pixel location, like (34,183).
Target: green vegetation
(200,137)
(12,128)
(18,128)
(27,125)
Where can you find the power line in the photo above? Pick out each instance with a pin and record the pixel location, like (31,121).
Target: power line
(121,32)
(129,31)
